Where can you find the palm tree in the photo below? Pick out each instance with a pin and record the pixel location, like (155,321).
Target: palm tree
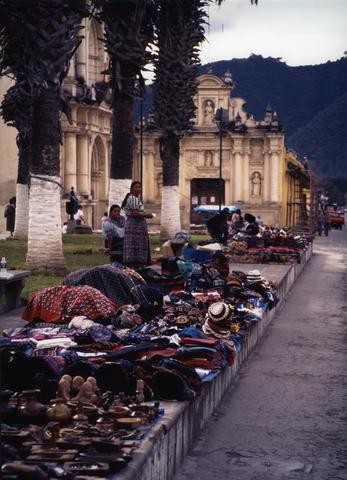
(37,41)
(128,33)
(16,110)
(179,34)
(180,31)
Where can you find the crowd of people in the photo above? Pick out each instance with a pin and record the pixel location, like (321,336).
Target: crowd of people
(224,224)
(244,238)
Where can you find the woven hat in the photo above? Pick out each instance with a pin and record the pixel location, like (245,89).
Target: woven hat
(254,276)
(219,311)
(232,280)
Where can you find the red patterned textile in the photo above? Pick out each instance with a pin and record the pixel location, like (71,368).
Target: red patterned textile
(60,304)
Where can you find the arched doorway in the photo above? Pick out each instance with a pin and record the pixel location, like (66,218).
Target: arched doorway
(98,181)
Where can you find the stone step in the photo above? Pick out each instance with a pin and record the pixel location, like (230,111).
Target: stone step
(198,229)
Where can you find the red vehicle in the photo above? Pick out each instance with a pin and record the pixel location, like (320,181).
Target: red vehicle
(337,219)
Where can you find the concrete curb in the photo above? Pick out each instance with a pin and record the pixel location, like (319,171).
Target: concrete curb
(169,441)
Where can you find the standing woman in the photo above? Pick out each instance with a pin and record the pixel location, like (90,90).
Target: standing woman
(136,240)
(10,215)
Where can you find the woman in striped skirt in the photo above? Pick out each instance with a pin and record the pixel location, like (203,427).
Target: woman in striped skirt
(136,240)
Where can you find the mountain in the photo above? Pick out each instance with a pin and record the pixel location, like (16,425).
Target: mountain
(324,139)
(309,100)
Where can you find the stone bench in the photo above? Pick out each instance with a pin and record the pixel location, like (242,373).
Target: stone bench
(11,286)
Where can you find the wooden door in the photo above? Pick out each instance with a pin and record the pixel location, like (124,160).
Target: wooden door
(205,191)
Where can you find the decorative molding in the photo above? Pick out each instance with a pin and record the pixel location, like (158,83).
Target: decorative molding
(211,171)
(256,161)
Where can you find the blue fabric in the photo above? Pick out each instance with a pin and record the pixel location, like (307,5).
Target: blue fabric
(213,374)
(100,333)
(192,332)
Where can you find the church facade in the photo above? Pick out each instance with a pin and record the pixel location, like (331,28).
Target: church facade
(241,161)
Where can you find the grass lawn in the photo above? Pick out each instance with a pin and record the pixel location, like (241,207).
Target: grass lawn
(80,251)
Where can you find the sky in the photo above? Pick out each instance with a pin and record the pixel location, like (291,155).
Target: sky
(301,32)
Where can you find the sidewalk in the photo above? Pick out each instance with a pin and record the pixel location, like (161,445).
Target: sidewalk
(12,318)
(285,417)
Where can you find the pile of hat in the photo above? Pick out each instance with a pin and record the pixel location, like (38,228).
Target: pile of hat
(254,276)
(218,320)
(236,279)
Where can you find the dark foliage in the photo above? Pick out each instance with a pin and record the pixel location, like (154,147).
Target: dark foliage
(180,30)
(37,40)
(128,34)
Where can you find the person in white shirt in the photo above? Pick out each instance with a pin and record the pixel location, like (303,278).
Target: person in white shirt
(78,217)
(103,218)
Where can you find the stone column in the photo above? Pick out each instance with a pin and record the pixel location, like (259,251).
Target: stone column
(238,174)
(238,177)
(81,55)
(274,176)
(232,177)
(148,176)
(267,174)
(246,180)
(82,164)
(70,179)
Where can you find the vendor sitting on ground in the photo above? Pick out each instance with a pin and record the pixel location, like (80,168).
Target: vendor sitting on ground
(113,232)
(217,226)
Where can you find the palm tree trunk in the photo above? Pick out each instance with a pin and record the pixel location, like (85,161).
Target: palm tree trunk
(122,143)
(179,33)
(45,248)
(170,210)
(22,189)
(22,209)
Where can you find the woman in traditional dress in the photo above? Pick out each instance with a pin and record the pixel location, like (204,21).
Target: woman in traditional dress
(136,240)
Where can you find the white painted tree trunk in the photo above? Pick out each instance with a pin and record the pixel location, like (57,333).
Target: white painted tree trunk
(118,189)
(22,211)
(170,212)
(45,246)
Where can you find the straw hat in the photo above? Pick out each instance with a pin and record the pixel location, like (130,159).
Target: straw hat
(254,276)
(219,311)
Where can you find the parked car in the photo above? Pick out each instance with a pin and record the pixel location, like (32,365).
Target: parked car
(336,217)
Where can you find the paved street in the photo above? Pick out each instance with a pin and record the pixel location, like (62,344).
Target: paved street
(286,417)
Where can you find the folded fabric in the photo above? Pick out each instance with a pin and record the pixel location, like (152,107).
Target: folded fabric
(53,342)
(81,322)
(210,246)
(100,333)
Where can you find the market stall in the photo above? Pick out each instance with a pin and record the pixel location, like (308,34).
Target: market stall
(83,381)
